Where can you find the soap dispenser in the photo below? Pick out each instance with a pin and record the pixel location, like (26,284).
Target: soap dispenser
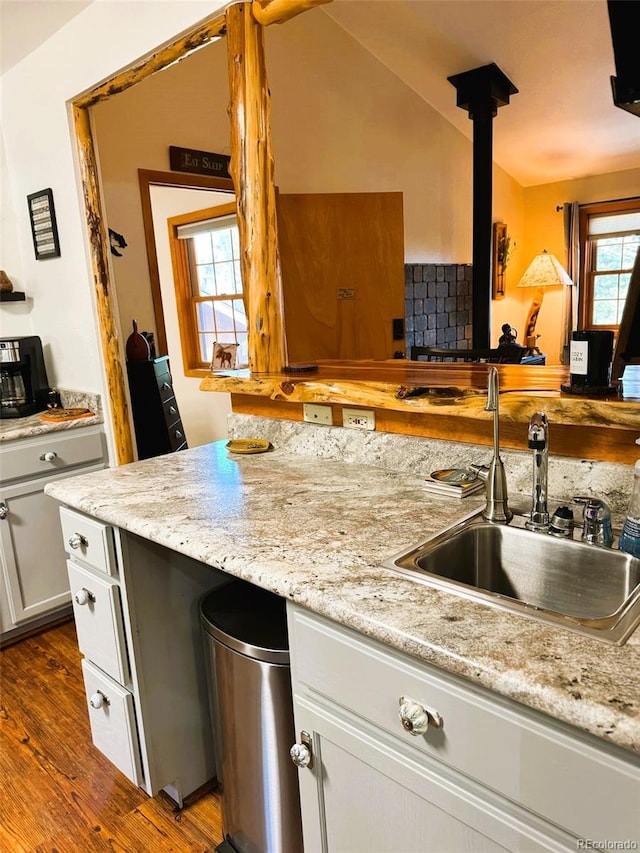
(630,536)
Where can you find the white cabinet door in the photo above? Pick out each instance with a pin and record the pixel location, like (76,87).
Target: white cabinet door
(33,558)
(99,624)
(363,794)
(112,720)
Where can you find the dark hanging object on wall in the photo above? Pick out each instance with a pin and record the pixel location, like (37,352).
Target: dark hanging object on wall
(137,347)
(116,241)
(482,91)
(623,19)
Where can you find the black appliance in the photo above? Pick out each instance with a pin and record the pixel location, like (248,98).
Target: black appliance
(24,388)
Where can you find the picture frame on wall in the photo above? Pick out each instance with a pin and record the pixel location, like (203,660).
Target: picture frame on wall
(44,228)
(500,259)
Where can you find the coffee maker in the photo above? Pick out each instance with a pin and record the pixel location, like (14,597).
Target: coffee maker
(24,389)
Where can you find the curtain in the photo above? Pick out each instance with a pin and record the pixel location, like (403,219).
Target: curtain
(572,248)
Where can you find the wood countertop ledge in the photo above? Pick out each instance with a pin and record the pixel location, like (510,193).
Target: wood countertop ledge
(316,531)
(437,389)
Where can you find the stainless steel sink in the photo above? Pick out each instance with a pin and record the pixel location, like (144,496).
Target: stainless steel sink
(585,588)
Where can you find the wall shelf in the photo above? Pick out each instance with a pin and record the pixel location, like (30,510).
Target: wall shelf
(12,296)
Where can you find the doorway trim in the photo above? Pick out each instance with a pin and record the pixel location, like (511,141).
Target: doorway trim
(146,179)
(112,352)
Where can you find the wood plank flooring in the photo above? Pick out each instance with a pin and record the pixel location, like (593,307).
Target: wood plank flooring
(58,794)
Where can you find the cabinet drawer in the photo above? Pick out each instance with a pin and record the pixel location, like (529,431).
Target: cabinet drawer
(542,765)
(44,456)
(113,722)
(89,541)
(176,435)
(165,386)
(98,614)
(170,410)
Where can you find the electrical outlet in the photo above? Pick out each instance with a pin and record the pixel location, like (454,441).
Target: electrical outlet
(313,414)
(359,418)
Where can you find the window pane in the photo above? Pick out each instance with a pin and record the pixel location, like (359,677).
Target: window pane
(206,347)
(235,242)
(223,310)
(202,247)
(243,350)
(625,278)
(605,312)
(205,317)
(238,276)
(629,249)
(221,245)
(609,254)
(225,278)
(239,315)
(605,287)
(206,280)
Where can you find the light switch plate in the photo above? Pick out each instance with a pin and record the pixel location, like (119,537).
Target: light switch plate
(313,414)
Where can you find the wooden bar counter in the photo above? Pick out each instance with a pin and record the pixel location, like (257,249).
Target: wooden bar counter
(446,400)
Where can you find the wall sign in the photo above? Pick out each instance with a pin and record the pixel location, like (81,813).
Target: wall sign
(44,228)
(199,162)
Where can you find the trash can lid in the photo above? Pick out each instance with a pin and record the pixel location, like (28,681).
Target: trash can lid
(249,620)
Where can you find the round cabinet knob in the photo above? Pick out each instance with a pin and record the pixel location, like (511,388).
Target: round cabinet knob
(416,719)
(77,541)
(49,456)
(300,755)
(98,699)
(4,510)
(83,596)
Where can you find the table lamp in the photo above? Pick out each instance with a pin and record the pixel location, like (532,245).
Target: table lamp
(545,270)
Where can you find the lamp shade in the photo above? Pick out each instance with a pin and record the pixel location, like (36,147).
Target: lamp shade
(545,270)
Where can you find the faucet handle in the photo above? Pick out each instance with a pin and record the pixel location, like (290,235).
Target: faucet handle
(597,521)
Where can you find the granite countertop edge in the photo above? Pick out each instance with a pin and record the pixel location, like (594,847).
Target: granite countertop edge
(276,507)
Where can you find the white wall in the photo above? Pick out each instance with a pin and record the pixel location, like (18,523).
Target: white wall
(107,36)
(204,415)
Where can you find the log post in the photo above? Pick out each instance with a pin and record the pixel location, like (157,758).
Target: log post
(111,354)
(252,170)
(278,11)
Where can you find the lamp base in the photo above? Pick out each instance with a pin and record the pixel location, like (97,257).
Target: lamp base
(532,346)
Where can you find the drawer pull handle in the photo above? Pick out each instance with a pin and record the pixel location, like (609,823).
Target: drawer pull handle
(78,541)
(83,596)
(166,386)
(49,456)
(416,719)
(302,753)
(178,434)
(4,510)
(98,699)
(173,410)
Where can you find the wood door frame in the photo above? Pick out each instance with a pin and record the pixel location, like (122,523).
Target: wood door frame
(148,178)
(99,247)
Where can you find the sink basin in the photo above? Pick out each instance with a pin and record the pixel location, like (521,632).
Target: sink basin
(585,588)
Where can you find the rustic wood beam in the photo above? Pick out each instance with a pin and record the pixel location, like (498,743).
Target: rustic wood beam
(278,11)
(111,352)
(252,170)
(207,32)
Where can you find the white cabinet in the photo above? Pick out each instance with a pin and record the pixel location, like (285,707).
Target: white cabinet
(493,776)
(136,607)
(34,584)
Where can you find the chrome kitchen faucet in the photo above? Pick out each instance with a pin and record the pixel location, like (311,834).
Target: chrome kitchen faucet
(496,508)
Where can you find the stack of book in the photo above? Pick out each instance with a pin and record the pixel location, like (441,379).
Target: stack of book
(454,482)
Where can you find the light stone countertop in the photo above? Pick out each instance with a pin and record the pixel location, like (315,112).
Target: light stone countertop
(12,429)
(316,530)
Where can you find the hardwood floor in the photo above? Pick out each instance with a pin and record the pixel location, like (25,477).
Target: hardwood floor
(59,794)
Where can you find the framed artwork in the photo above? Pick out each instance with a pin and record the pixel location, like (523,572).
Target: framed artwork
(44,228)
(225,356)
(501,243)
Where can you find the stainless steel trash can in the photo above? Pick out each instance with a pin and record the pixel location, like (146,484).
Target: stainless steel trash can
(245,632)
